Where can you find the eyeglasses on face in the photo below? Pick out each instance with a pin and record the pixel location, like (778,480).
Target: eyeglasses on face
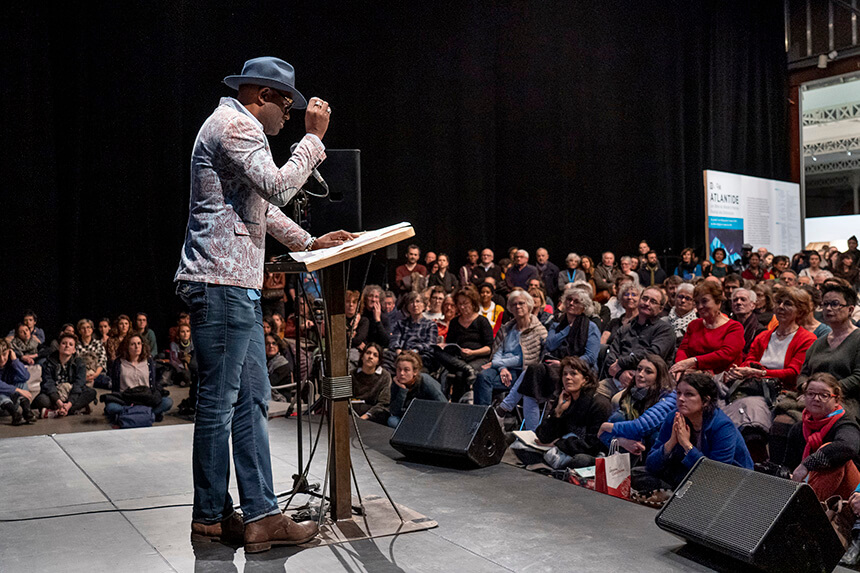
(819,396)
(832,304)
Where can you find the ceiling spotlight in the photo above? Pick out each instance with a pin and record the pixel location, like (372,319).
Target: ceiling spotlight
(822,61)
(814,158)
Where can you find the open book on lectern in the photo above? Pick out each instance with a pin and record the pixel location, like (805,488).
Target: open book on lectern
(368,241)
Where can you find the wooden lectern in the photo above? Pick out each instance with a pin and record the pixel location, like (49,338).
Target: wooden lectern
(337,384)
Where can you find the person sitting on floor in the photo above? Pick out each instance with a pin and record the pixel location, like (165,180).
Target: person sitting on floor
(13,386)
(134,379)
(64,389)
(683,312)
(697,428)
(467,345)
(713,341)
(371,386)
(25,345)
(141,326)
(517,346)
(575,334)
(571,426)
(182,359)
(29,318)
(120,330)
(93,352)
(651,384)
(824,448)
(410,383)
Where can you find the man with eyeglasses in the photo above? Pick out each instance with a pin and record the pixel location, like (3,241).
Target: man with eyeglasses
(645,335)
(236,189)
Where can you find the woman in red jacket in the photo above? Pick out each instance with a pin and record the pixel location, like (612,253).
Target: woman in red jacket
(713,341)
(779,353)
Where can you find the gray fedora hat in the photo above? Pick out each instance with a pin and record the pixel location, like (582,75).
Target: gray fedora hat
(271,73)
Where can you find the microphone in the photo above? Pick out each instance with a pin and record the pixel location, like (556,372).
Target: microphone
(315,173)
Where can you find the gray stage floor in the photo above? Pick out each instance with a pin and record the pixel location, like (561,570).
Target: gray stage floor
(493,519)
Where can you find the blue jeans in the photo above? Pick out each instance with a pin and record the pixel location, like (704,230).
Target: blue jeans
(487,381)
(531,410)
(112,409)
(232,400)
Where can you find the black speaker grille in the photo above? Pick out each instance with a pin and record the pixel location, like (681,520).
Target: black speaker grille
(445,427)
(730,506)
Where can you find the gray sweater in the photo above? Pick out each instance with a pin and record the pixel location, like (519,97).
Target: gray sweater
(843,362)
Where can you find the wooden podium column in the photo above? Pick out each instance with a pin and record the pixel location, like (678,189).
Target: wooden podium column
(333,283)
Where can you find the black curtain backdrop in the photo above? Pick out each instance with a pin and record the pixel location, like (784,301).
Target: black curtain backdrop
(571,125)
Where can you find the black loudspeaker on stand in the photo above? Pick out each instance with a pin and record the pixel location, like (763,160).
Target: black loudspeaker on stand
(450,434)
(771,523)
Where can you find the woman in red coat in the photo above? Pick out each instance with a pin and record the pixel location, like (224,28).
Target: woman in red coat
(779,353)
(713,341)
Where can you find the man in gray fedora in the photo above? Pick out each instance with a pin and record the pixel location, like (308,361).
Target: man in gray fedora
(236,189)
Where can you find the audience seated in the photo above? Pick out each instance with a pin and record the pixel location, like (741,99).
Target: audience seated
(571,273)
(489,309)
(29,318)
(443,277)
(449,313)
(104,332)
(520,272)
(94,355)
(779,353)
(604,276)
(434,299)
(64,389)
(13,386)
(810,322)
(542,310)
(403,273)
(823,448)
(713,341)
(547,271)
(719,269)
(574,334)
(25,345)
(651,384)
(697,428)
(183,362)
(628,294)
(371,386)
(414,332)
(487,268)
(467,345)
(467,271)
(410,383)
(754,272)
(134,380)
(683,312)
(743,310)
(572,424)
(141,326)
(763,303)
(838,353)
(645,335)
(279,363)
(650,271)
(518,345)
(120,330)
(689,268)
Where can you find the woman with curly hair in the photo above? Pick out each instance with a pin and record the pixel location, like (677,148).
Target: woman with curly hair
(133,377)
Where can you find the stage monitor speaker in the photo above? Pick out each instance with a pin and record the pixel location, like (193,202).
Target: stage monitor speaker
(443,433)
(341,169)
(771,523)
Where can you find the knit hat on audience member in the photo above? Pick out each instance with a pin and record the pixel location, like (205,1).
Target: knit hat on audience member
(746,247)
(271,73)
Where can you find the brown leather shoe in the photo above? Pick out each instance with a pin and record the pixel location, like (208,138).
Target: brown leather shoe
(230,530)
(277,529)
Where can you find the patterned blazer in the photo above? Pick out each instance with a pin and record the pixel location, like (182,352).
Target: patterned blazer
(235,186)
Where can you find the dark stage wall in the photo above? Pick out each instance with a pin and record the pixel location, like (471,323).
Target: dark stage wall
(573,125)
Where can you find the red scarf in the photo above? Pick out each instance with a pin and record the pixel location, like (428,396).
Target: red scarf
(815,430)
